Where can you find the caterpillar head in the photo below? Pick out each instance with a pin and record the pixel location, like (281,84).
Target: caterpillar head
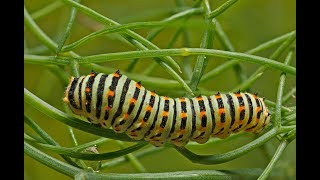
(69,96)
(265,117)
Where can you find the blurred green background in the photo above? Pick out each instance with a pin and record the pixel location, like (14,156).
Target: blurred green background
(247,23)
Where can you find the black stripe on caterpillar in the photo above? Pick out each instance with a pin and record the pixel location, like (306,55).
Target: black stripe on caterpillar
(115,101)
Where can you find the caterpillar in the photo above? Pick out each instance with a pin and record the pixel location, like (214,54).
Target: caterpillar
(114,100)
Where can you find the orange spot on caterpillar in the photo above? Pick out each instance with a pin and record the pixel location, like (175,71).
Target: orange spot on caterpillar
(111,93)
(183,115)
(218,96)
(238,95)
(165,113)
(165,98)
(240,122)
(199,98)
(241,108)
(202,113)
(126,116)
(221,110)
(182,99)
(152,93)
(92,74)
(149,108)
(116,74)
(133,100)
(108,108)
(87,89)
(138,85)
(258,109)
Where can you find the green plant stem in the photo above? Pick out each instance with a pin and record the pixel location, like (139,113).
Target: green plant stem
(221,9)
(69,120)
(187,52)
(193,175)
(289,95)
(91,157)
(60,73)
(247,84)
(46,10)
(274,56)
(49,43)
(227,45)
(74,65)
(223,67)
(273,161)
(273,104)
(128,33)
(90,144)
(34,28)
(139,154)
(34,138)
(169,70)
(206,42)
(133,160)
(277,119)
(136,25)
(73,137)
(288,119)
(34,59)
(49,161)
(67,32)
(221,158)
(40,131)
(46,137)
(155,32)
(72,171)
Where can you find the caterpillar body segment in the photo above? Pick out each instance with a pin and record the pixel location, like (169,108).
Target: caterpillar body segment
(114,100)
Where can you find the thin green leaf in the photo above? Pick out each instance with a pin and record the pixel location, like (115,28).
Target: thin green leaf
(273,161)
(227,45)
(128,33)
(289,95)
(221,158)
(223,67)
(46,10)
(34,28)
(91,157)
(142,153)
(164,52)
(46,137)
(274,56)
(221,9)
(67,32)
(135,25)
(195,174)
(133,160)
(206,42)
(49,161)
(277,119)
